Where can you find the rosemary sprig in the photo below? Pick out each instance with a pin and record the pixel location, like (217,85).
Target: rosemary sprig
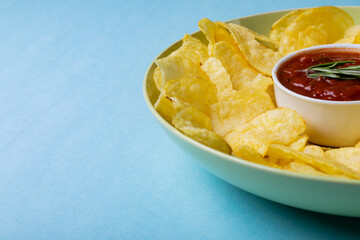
(330,70)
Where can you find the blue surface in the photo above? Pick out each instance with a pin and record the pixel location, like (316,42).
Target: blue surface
(81,156)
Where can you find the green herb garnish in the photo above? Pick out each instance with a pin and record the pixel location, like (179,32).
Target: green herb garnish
(330,70)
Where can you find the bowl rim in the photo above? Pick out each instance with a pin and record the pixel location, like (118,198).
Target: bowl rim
(309,49)
(229,157)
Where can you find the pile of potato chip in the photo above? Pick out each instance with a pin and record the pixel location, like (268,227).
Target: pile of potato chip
(221,93)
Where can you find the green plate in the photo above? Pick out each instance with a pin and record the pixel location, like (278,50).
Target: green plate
(319,194)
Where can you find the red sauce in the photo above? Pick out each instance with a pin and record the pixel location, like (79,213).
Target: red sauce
(322,87)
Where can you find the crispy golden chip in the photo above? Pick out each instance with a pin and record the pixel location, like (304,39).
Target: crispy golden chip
(280,25)
(198,92)
(281,125)
(352,31)
(235,64)
(312,36)
(215,33)
(356,40)
(247,153)
(286,154)
(191,117)
(207,137)
(303,168)
(178,67)
(164,107)
(271,91)
(157,78)
(349,40)
(307,169)
(266,41)
(218,76)
(299,144)
(177,95)
(209,29)
(233,95)
(259,144)
(349,156)
(239,109)
(357,144)
(259,56)
(193,49)
(280,122)
(167,106)
(262,83)
(351,35)
(314,150)
(242,75)
(332,20)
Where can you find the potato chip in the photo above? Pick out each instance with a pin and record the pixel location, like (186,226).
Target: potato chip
(233,95)
(348,40)
(218,76)
(177,67)
(209,29)
(242,75)
(177,95)
(239,109)
(280,25)
(357,144)
(215,33)
(281,125)
(191,117)
(303,168)
(164,107)
(312,36)
(247,153)
(167,106)
(259,56)
(314,150)
(266,41)
(299,144)
(351,35)
(261,83)
(280,152)
(157,78)
(193,49)
(352,31)
(208,138)
(354,39)
(349,156)
(332,20)
(271,91)
(196,91)
(234,63)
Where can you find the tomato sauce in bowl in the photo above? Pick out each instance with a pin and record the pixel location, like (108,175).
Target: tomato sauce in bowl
(292,75)
(329,103)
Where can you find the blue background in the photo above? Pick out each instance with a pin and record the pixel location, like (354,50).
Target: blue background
(81,156)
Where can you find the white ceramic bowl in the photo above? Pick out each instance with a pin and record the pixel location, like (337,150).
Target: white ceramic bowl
(329,123)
